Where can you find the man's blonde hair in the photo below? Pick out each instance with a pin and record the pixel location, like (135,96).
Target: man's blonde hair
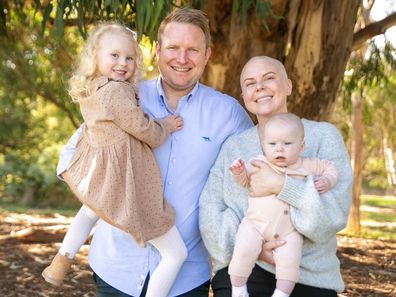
(187,15)
(86,66)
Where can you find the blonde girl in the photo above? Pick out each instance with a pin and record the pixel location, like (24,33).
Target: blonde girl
(113,171)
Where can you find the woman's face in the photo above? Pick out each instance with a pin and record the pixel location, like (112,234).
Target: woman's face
(265,87)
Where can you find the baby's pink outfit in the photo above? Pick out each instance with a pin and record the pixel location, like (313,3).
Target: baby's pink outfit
(268,218)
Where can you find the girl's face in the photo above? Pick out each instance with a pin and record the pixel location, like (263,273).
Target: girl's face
(115,56)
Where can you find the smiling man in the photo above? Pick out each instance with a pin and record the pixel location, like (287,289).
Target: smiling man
(121,267)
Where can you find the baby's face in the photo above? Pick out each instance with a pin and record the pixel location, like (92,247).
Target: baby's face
(282,144)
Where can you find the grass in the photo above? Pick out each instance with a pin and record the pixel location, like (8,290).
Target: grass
(379,201)
(4,206)
(378,218)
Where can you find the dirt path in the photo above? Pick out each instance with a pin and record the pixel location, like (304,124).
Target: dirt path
(28,242)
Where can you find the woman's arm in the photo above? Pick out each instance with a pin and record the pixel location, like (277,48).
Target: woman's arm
(320,217)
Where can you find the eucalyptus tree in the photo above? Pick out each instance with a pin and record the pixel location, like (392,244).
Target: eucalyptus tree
(369,96)
(40,38)
(313,38)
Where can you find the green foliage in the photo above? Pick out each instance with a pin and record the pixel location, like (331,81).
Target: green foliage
(378,215)
(373,78)
(38,42)
(36,113)
(144,16)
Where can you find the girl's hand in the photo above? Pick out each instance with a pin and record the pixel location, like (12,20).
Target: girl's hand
(322,184)
(174,122)
(237,167)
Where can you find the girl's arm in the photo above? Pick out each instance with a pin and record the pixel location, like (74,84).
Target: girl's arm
(122,109)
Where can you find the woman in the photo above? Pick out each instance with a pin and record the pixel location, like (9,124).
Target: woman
(265,88)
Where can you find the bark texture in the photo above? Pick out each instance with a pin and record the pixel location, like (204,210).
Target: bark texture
(357,162)
(313,38)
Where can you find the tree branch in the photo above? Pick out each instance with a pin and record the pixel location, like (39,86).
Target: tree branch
(374,29)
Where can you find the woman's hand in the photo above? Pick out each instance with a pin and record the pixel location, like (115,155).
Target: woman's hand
(264,180)
(267,250)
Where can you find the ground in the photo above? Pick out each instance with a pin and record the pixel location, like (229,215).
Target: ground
(29,241)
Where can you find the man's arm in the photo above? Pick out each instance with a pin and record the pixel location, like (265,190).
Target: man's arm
(67,152)
(218,222)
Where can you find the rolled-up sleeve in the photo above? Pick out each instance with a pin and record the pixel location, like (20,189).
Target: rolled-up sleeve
(67,152)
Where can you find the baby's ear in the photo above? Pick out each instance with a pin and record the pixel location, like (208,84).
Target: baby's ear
(302,146)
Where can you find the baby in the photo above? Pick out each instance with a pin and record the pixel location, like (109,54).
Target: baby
(268,218)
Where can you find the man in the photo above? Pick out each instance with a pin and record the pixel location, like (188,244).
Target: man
(120,267)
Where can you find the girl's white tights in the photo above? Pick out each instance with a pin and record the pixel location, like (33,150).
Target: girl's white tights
(170,246)
(173,253)
(78,232)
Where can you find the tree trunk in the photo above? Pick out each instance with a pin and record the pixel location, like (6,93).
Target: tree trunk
(390,168)
(357,162)
(313,40)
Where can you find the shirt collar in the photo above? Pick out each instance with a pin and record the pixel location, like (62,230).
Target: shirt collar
(187,97)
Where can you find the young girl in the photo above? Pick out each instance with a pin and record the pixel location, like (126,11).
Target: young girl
(113,171)
(267,217)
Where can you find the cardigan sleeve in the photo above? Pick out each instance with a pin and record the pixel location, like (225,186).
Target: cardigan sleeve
(320,217)
(121,107)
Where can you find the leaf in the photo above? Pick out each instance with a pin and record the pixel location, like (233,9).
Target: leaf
(46,15)
(59,22)
(158,7)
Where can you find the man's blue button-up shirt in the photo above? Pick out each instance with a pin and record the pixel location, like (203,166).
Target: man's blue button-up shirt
(185,160)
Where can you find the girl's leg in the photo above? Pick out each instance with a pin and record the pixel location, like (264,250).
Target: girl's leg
(75,237)
(78,232)
(173,252)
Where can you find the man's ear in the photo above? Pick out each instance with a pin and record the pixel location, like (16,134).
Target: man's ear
(157,49)
(208,54)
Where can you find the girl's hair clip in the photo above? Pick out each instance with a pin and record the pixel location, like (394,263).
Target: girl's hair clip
(134,34)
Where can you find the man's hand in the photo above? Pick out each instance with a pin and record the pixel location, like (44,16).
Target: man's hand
(264,180)
(267,250)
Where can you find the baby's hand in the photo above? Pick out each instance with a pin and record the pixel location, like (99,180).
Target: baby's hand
(237,167)
(174,122)
(322,184)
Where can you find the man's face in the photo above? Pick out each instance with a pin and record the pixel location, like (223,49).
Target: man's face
(182,57)
(265,87)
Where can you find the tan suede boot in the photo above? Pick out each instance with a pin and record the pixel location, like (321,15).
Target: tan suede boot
(56,271)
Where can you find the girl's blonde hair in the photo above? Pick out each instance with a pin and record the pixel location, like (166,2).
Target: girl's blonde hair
(86,66)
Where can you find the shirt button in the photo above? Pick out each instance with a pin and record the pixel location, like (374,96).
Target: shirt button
(173,160)
(177,138)
(286,212)
(169,183)
(276,236)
